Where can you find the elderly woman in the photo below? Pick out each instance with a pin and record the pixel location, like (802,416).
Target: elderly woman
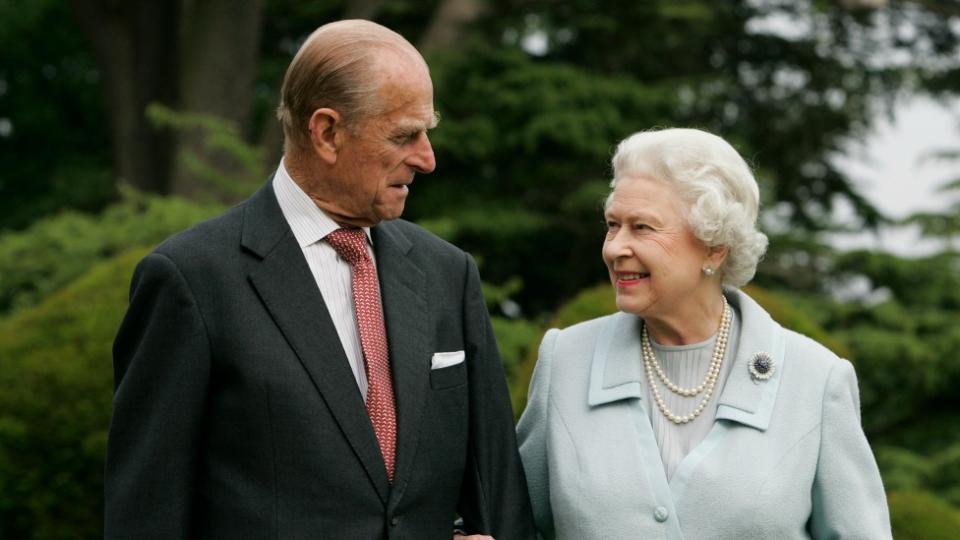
(691,413)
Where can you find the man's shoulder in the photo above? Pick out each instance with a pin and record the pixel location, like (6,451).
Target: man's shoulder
(421,238)
(215,234)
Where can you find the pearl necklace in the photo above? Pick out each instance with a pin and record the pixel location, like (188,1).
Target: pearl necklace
(652,366)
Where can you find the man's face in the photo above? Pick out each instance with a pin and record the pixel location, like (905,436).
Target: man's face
(379,158)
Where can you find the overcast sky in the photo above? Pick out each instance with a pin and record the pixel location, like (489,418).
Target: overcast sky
(890,169)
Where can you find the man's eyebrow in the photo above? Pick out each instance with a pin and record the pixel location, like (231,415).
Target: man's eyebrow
(412,126)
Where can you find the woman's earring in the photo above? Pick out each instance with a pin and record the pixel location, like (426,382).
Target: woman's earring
(709,271)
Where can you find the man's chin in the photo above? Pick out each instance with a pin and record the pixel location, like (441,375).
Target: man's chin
(389,212)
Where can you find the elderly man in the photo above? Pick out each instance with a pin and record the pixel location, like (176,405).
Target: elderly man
(300,367)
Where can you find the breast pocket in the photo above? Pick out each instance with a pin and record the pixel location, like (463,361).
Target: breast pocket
(448,377)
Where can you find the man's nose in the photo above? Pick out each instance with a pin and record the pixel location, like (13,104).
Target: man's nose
(422,159)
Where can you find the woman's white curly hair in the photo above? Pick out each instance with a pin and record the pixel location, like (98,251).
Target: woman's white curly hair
(714,182)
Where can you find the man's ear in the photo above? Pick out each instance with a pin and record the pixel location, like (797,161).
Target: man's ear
(326,134)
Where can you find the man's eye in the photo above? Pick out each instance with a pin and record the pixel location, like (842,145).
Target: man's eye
(406,138)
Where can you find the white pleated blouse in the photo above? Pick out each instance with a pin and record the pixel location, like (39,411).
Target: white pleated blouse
(686,366)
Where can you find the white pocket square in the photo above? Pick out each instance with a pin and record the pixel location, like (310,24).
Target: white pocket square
(441,360)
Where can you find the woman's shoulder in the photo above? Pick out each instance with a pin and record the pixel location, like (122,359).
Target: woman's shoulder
(813,365)
(814,361)
(585,333)
(576,343)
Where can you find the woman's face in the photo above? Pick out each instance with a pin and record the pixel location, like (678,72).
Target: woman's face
(653,257)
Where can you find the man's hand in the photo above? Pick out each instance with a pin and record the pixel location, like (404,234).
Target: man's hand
(458,536)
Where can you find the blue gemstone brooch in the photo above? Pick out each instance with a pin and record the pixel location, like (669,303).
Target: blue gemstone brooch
(761,366)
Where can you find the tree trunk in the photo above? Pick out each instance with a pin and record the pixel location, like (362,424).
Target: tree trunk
(220,45)
(135,46)
(447,24)
(362,9)
(197,56)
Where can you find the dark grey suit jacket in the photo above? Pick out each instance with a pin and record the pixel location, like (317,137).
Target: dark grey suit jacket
(236,414)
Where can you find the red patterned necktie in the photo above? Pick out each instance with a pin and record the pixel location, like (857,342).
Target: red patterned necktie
(351,245)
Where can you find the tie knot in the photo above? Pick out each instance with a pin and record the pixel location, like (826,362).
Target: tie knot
(350,244)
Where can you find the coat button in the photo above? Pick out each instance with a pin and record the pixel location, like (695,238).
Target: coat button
(661,514)
(394,521)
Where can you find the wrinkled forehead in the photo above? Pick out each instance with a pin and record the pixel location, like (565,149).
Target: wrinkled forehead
(406,92)
(643,193)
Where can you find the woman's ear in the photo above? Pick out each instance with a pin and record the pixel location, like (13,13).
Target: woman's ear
(715,256)
(326,129)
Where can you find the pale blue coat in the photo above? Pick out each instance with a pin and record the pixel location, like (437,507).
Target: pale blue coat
(786,458)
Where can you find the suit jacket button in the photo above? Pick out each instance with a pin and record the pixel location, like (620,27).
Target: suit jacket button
(661,514)
(394,521)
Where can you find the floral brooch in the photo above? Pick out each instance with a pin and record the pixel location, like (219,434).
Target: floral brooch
(761,366)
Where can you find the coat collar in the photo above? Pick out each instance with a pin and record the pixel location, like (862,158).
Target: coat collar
(616,371)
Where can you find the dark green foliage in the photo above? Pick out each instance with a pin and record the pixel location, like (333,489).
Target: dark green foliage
(523,152)
(769,92)
(525,173)
(906,343)
(57,249)
(528,132)
(224,166)
(55,406)
(589,304)
(918,515)
(57,152)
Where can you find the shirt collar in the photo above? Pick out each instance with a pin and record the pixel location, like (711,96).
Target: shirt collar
(308,222)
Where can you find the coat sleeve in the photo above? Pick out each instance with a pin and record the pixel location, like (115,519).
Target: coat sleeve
(161,361)
(493,497)
(848,497)
(532,436)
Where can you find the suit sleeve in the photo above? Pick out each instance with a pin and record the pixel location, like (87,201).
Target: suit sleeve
(532,436)
(493,498)
(161,361)
(848,497)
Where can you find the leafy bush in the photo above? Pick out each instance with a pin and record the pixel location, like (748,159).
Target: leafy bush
(57,249)
(517,340)
(908,470)
(55,407)
(919,515)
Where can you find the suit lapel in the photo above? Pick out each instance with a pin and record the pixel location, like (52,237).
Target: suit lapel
(286,287)
(403,290)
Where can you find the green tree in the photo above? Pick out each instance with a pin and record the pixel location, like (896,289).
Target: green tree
(53,142)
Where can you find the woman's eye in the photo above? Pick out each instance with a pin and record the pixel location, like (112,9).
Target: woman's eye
(641,226)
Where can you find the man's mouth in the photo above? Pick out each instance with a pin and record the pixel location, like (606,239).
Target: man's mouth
(402,185)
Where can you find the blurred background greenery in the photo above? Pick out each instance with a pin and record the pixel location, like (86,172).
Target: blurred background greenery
(124,122)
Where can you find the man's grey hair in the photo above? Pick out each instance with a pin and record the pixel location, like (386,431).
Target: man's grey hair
(336,67)
(719,192)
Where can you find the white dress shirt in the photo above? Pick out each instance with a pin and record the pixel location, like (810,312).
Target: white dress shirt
(311,226)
